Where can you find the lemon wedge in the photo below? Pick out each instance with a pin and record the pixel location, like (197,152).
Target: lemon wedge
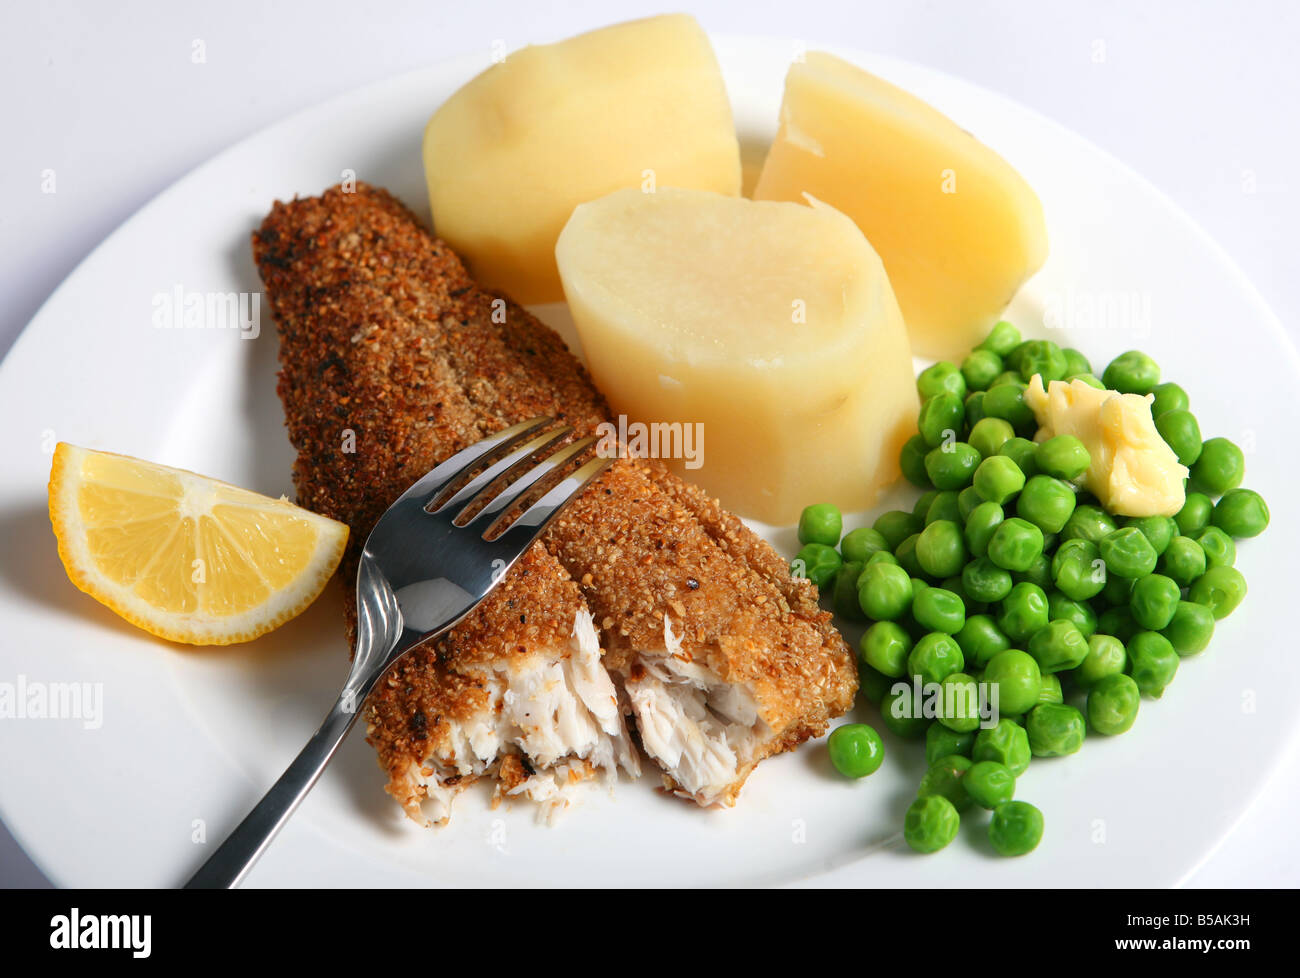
(185,557)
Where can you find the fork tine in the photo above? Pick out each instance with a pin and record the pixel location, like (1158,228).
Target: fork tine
(446,500)
(516,490)
(521,531)
(450,469)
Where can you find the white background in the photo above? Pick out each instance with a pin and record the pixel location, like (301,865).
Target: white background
(1199,97)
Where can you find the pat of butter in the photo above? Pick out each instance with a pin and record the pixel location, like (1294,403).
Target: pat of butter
(1133,471)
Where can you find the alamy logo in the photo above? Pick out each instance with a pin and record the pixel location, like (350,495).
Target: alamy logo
(183,309)
(660,439)
(72,931)
(35,700)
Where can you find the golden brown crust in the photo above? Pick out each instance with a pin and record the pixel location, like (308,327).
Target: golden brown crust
(387,347)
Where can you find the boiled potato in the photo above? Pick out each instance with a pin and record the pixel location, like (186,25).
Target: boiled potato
(958,229)
(766,331)
(509,155)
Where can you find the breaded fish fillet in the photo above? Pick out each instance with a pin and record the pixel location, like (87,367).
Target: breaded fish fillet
(389,363)
(719,656)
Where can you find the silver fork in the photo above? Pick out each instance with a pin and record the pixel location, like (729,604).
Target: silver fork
(427,563)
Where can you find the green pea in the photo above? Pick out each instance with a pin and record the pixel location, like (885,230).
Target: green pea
(1117,591)
(1007,401)
(939,610)
(817,562)
(982,523)
(985,581)
(1064,457)
(989,784)
(856,750)
(959,703)
(967,500)
(1158,530)
(1118,621)
(998,479)
(1127,553)
(844,592)
(858,545)
(951,466)
(1220,589)
(1002,339)
(1089,523)
(935,657)
(1046,502)
(885,647)
(1195,514)
(980,368)
(955,585)
(1038,573)
(1042,357)
(1075,362)
(1132,373)
(940,549)
(1023,612)
(1015,544)
(1183,561)
(1220,550)
(940,378)
(945,778)
(911,460)
(880,556)
(1181,432)
(1152,662)
(1006,743)
(941,419)
(1241,513)
(1016,828)
(980,640)
(1078,570)
(941,742)
(1079,612)
(1007,377)
(989,435)
(885,592)
(1058,646)
(944,506)
(906,554)
(1024,453)
(873,683)
(820,524)
(1113,703)
(896,526)
(1154,600)
(1106,657)
(1054,730)
(930,824)
(901,712)
(1090,379)
(924,502)
(1190,629)
(974,409)
(1050,691)
(1168,397)
(1018,680)
(1220,467)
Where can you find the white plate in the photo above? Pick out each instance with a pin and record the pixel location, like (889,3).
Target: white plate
(190,738)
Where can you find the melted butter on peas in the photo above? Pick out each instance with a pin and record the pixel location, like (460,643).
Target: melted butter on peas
(1132,471)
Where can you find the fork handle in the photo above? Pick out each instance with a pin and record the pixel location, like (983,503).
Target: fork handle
(227,866)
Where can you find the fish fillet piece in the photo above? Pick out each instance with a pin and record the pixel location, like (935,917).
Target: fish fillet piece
(518,694)
(720,657)
(724,660)
(390,361)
